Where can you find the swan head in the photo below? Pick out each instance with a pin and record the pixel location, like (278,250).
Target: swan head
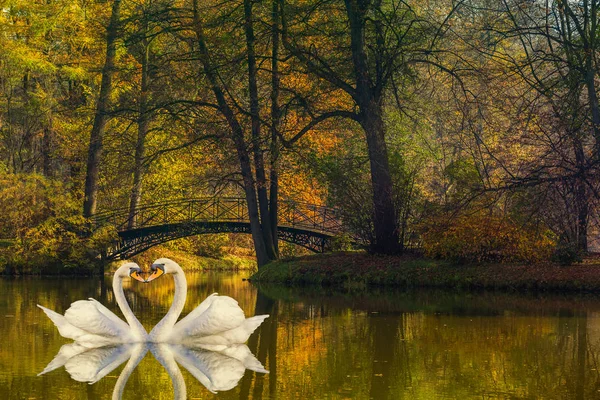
(163,266)
(130,269)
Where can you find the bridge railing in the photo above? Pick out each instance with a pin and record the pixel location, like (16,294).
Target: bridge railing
(221,209)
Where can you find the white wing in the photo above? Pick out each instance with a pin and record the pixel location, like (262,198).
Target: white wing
(92,317)
(107,313)
(196,312)
(68,330)
(215,314)
(237,335)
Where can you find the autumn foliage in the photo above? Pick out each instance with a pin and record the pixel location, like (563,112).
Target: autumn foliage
(484,238)
(44,229)
(382,110)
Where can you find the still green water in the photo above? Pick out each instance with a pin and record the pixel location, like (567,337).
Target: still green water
(323,345)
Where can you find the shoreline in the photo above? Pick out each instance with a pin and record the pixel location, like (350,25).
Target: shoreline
(189,262)
(109,273)
(354,270)
(437,301)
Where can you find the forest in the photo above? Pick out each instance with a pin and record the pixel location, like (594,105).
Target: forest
(463,130)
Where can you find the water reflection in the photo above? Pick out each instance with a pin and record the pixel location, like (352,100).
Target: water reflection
(321,344)
(85,364)
(216,369)
(430,345)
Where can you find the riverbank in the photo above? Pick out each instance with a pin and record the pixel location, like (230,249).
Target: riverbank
(189,262)
(358,270)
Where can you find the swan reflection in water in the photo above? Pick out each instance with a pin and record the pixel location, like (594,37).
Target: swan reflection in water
(218,368)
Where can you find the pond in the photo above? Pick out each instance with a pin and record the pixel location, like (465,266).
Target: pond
(322,344)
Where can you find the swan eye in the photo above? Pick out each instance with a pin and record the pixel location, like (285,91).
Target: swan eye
(153,267)
(157,270)
(135,274)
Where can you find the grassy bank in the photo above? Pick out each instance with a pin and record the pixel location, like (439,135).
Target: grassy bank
(191,262)
(356,270)
(188,262)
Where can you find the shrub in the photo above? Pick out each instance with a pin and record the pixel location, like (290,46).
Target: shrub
(211,246)
(290,250)
(28,200)
(349,182)
(59,243)
(45,232)
(481,238)
(343,242)
(566,254)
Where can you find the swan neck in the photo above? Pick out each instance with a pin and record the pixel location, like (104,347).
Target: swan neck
(164,328)
(136,326)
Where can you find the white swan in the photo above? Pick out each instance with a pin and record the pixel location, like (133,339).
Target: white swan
(91,324)
(217,322)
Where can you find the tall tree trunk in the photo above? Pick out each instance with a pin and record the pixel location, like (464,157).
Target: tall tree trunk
(47,149)
(368,99)
(140,147)
(593,99)
(237,135)
(274,193)
(581,198)
(385,220)
(101,117)
(275,120)
(582,216)
(259,164)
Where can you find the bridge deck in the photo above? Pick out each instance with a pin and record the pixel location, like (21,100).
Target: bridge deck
(308,225)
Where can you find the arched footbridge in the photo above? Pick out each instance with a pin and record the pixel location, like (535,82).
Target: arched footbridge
(307,225)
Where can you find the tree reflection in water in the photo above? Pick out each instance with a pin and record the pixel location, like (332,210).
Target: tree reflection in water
(264,343)
(431,344)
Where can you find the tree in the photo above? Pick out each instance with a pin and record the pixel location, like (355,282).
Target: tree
(43,83)
(102,114)
(143,119)
(367,47)
(250,102)
(552,47)
(259,232)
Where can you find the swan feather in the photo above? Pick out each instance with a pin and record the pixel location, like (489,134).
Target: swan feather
(86,315)
(68,330)
(221,315)
(239,334)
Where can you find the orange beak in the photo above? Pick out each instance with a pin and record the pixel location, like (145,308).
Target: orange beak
(135,275)
(158,272)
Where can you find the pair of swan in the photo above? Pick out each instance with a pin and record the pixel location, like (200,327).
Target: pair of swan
(215,324)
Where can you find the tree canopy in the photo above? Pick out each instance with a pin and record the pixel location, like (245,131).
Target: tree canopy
(419,121)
